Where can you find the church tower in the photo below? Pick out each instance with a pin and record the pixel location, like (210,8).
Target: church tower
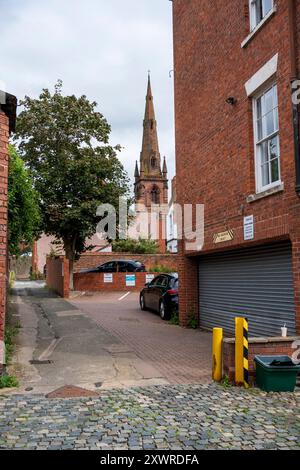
(151,176)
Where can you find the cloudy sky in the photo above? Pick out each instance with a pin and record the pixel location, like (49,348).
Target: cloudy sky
(101,48)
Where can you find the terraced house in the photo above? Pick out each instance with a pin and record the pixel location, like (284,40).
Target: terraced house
(237,143)
(8,104)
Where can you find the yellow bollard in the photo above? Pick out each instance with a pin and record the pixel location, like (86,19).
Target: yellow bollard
(217,354)
(239,351)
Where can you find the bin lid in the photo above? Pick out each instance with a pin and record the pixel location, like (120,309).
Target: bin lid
(276,362)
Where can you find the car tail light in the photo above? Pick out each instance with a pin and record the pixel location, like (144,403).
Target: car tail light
(172,291)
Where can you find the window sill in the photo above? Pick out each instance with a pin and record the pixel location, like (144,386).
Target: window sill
(258,27)
(268,192)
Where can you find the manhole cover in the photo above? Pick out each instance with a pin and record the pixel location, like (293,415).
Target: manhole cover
(71,391)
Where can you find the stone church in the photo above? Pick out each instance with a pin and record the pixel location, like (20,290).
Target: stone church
(151,180)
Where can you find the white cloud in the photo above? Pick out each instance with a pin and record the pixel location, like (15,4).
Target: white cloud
(101,48)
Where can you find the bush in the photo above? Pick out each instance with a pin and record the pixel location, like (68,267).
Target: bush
(8,381)
(192,321)
(37,276)
(174,318)
(160,268)
(141,246)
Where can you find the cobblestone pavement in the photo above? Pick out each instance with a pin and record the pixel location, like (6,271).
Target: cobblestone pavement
(160,417)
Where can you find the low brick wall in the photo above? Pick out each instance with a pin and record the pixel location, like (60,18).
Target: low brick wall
(94,282)
(58,275)
(92,260)
(257,347)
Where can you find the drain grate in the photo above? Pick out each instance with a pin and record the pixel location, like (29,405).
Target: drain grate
(37,362)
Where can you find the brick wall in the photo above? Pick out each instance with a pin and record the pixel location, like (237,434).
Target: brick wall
(257,346)
(4,134)
(58,275)
(214,140)
(94,282)
(92,260)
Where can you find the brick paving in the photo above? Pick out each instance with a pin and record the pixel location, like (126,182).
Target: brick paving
(189,417)
(181,355)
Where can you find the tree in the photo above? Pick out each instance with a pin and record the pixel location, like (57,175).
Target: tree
(64,141)
(23,207)
(140,246)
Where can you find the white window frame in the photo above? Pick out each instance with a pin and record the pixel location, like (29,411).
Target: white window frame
(253,19)
(258,175)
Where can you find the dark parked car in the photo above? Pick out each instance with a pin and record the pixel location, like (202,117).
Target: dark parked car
(161,295)
(121,266)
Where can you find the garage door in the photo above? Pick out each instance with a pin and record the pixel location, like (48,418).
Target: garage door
(256,283)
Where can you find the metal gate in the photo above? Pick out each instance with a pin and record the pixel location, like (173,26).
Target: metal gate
(256,283)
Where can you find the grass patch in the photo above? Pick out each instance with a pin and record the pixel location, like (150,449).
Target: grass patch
(225,382)
(8,381)
(174,320)
(10,333)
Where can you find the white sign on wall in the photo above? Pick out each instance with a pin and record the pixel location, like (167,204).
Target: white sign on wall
(249,227)
(149,278)
(130,280)
(108,277)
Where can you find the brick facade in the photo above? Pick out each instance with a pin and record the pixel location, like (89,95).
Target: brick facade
(92,260)
(257,347)
(4,134)
(214,140)
(57,277)
(94,282)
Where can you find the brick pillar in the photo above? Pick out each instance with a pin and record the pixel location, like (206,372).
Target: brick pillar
(188,286)
(162,234)
(296,277)
(4,134)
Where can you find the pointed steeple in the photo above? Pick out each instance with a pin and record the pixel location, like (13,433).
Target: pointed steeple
(136,172)
(165,169)
(150,156)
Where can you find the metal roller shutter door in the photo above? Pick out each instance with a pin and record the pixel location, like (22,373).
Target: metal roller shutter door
(256,283)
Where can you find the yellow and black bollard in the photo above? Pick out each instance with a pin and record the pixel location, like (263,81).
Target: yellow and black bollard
(241,352)
(217,354)
(245,353)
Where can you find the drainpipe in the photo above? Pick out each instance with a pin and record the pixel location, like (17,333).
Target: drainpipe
(293,78)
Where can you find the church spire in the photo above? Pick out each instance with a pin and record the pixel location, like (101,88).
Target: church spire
(136,172)
(150,156)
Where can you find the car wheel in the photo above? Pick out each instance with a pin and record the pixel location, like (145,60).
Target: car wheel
(163,313)
(142,302)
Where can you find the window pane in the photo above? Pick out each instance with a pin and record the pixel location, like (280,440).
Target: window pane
(269,100)
(264,154)
(275,95)
(258,108)
(259,11)
(275,170)
(265,175)
(276,124)
(269,123)
(267,6)
(273,148)
(259,129)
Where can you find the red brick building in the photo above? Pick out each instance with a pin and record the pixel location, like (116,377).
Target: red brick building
(237,152)
(151,180)
(7,124)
